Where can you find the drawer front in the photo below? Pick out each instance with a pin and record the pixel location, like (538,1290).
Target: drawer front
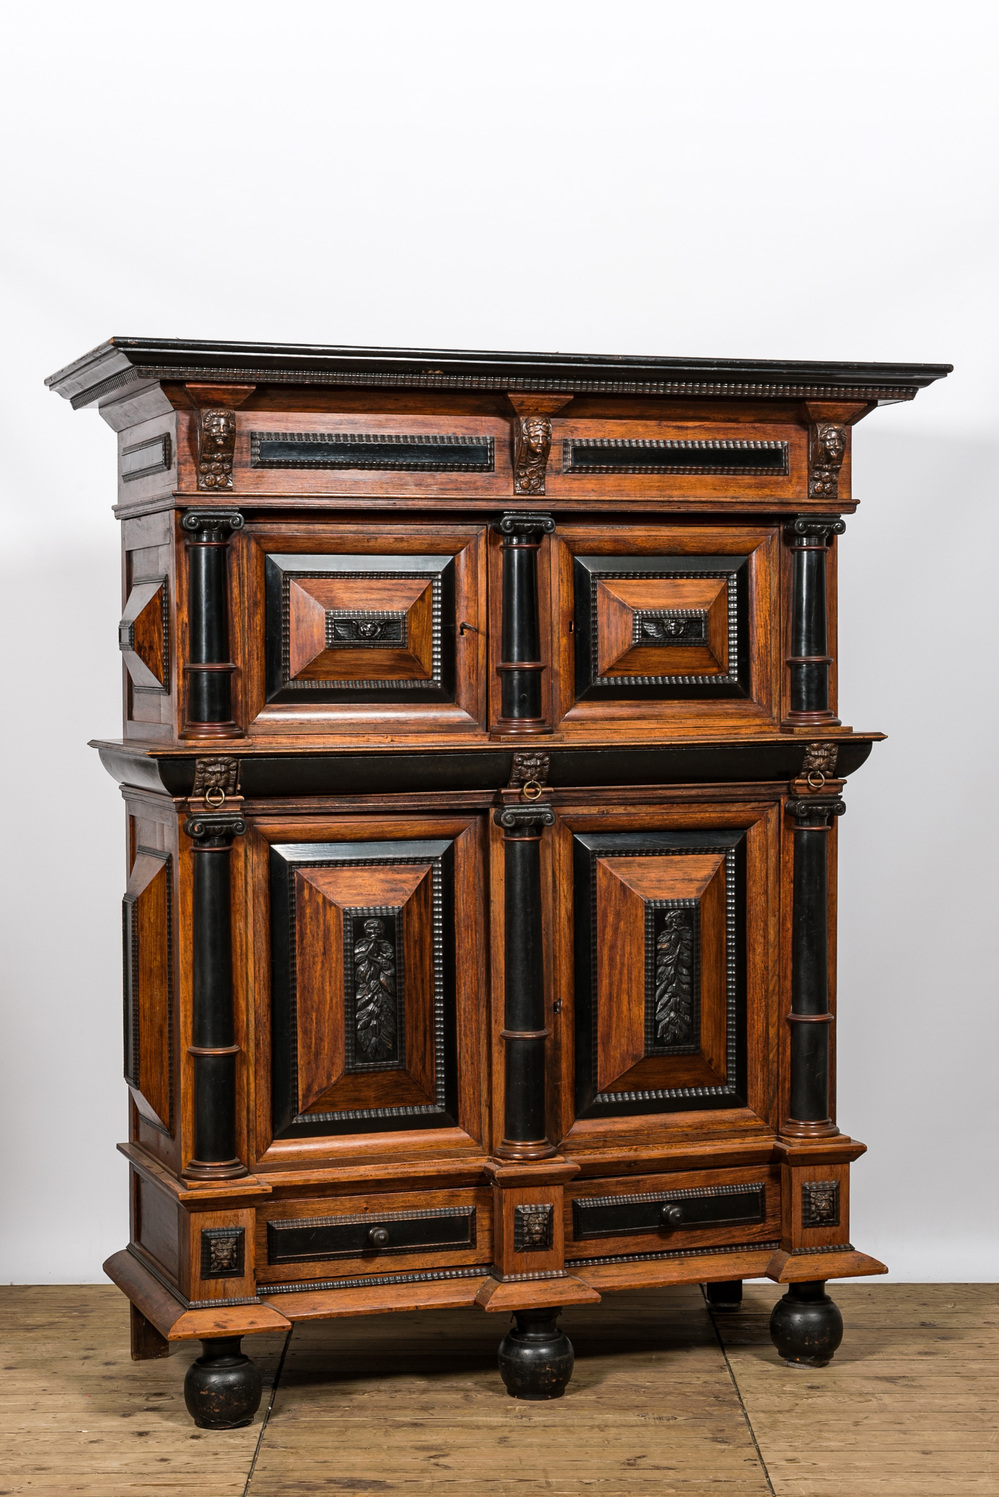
(631,459)
(324,1237)
(357,1236)
(342,455)
(717,1206)
(674,1213)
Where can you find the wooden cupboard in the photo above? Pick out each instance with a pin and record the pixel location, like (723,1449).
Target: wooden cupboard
(482,764)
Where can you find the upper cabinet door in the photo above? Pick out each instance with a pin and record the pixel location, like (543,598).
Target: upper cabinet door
(675,625)
(373,627)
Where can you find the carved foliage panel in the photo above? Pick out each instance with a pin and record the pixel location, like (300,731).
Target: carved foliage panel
(659,987)
(363,986)
(147,938)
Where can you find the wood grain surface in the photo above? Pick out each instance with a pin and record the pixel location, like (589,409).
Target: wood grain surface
(661,1402)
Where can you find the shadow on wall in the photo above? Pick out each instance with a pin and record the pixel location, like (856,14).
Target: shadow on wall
(919,1022)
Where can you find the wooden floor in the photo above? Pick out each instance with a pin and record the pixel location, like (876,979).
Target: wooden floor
(661,1402)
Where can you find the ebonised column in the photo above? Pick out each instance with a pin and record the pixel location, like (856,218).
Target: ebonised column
(209,669)
(524,1032)
(520,665)
(808,538)
(810,1018)
(213,1045)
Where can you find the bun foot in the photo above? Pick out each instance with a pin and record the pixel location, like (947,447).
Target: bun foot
(724,1297)
(222,1388)
(536,1358)
(806,1326)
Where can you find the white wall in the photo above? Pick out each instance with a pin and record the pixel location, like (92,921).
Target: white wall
(770,180)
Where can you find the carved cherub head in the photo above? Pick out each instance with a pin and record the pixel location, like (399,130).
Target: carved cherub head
(537,434)
(217,430)
(832,443)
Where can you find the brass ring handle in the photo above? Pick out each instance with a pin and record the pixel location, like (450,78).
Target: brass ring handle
(815,779)
(532,790)
(215,797)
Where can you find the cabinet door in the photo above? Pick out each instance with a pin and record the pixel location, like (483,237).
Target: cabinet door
(675,965)
(350,625)
(670,624)
(374,1023)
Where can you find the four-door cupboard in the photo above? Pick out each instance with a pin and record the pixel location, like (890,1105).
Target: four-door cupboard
(482,764)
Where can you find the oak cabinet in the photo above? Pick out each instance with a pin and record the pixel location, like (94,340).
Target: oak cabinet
(482,761)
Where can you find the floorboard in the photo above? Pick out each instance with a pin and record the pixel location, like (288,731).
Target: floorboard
(663,1401)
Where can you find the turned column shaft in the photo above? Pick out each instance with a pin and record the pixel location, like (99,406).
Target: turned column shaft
(810,1019)
(213,1048)
(524,1030)
(209,670)
(520,666)
(809,660)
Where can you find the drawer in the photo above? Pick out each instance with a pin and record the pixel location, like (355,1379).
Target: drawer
(328,1237)
(667,623)
(340,455)
(629,459)
(678,1212)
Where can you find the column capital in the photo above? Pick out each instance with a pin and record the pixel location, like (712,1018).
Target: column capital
(814,528)
(519,525)
(214,831)
(815,810)
(525,820)
(215,521)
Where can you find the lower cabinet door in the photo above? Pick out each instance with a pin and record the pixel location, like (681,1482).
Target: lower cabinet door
(675,962)
(375,1023)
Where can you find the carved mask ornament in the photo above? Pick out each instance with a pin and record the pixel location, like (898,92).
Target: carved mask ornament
(531,448)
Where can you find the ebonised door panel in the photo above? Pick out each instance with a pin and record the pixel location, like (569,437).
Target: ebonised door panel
(347,624)
(674,963)
(373,938)
(667,624)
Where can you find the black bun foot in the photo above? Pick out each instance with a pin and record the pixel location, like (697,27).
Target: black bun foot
(535,1358)
(724,1297)
(806,1326)
(222,1388)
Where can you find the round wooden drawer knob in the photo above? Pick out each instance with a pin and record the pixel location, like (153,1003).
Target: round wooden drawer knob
(672,1216)
(379,1237)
